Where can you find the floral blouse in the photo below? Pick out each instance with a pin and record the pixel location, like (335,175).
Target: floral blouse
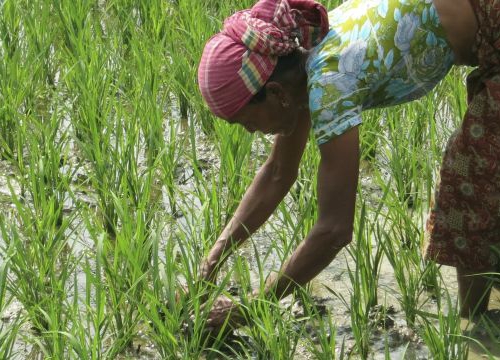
(378,53)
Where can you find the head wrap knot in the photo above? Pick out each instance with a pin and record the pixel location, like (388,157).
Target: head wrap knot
(238,61)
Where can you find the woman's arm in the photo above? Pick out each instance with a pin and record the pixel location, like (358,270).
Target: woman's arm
(266,191)
(337,185)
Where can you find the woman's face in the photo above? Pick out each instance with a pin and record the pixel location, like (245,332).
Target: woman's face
(275,115)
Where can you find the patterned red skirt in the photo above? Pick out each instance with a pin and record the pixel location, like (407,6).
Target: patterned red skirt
(463,228)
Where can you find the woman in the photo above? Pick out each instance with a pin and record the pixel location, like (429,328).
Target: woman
(364,54)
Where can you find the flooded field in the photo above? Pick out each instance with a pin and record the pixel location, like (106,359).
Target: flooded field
(115,181)
(388,332)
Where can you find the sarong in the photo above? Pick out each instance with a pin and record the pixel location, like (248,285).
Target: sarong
(463,228)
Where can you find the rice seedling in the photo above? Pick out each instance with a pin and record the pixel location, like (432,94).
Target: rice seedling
(38,233)
(364,279)
(264,315)
(16,88)
(445,339)
(324,343)
(405,259)
(8,335)
(370,134)
(9,330)
(90,321)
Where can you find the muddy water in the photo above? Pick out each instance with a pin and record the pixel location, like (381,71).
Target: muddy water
(402,341)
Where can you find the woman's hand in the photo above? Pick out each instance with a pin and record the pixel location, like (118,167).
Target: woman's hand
(225,311)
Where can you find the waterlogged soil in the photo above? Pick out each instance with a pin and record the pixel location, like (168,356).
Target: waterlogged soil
(389,331)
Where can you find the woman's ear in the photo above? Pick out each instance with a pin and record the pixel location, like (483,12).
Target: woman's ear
(277,92)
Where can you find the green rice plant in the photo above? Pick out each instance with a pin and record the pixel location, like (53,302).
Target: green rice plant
(89,333)
(400,239)
(364,279)
(184,60)
(405,262)
(124,19)
(237,167)
(170,160)
(15,84)
(367,259)
(8,332)
(298,212)
(324,344)
(272,330)
(431,280)
(164,305)
(359,309)
(41,41)
(94,79)
(402,154)
(271,336)
(8,336)
(101,146)
(445,339)
(177,305)
(36,239)
(360,322)
(148,93)
(4,269)
(453,93)
(369,134)
(126,258)
(217,195)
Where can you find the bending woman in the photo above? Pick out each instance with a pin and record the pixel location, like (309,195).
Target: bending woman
(285,67)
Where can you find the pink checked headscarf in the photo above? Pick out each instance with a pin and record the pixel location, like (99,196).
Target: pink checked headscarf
(238,61)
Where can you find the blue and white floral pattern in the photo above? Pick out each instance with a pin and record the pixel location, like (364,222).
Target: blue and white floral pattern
(377,53)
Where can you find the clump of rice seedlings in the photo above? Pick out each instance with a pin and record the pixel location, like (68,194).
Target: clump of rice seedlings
(401,246)
(8,331)
(184,60)
(89,332)
(367,258)
(443,336)
(237,163)
(165,307)
(323,345)
(402,156)
(364,279)
(298,212)
(125,262)
(91,79)
(41,40)
(170,160)
(369,134)
(36,237)
(273,331)
(8,336)
(453,93)
(16,85)
(126,255)
(360,321)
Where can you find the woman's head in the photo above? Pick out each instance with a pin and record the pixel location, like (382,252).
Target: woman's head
(277,106)
(240,61)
